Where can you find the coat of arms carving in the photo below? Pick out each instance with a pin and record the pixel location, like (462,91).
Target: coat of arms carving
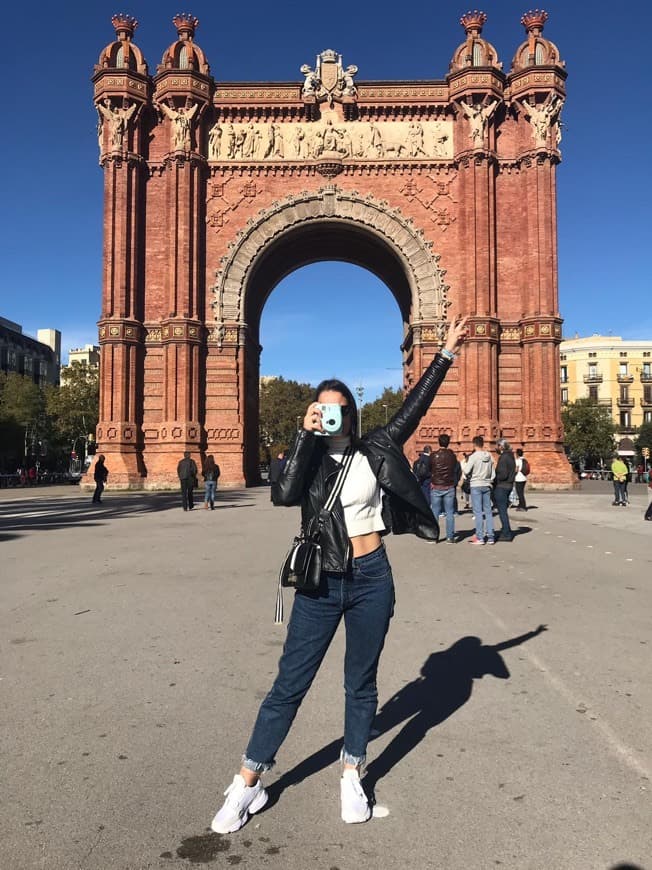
(329,80)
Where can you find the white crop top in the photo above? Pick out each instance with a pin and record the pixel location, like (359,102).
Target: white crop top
(361,495)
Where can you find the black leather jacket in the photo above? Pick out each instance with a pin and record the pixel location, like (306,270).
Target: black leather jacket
(310,473)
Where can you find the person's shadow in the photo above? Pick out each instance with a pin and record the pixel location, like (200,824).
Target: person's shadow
(443,686)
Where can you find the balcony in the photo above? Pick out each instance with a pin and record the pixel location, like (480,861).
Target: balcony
(646,402)
(625,403)
(593,378)
(605,403)
(646,377)
(625,379)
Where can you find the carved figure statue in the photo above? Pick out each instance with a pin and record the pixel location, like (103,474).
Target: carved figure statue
(118,120)
(239,143)
(311,83)
(345,145)
(300,142)
(181,124)
(279,144)
(375,141)
(249,142)
(214,142)
(330,137)
(477,115)
(415,140)
(348,85)
(318,144)
(269,145)
(230,142)
(542,117)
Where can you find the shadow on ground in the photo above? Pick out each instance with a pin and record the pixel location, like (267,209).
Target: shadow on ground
(444,684)
(62,513)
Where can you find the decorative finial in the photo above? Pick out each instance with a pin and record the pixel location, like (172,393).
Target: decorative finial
(534,20)
(472,22)
(124,24)
(185,24)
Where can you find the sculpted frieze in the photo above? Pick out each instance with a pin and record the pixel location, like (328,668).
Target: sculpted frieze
(356,140)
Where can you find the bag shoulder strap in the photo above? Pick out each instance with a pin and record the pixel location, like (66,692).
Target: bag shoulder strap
(347,460)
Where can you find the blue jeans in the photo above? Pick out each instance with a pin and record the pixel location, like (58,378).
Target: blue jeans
(209,492)
(443,500)
(364,596)
(501,497)
(481,504)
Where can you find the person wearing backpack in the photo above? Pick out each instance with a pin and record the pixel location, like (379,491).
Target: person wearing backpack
(522,471)
(422,471)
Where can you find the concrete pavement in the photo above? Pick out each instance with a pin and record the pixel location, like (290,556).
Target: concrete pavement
(138,641)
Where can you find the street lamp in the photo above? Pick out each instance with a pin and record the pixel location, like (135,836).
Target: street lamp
(360,391)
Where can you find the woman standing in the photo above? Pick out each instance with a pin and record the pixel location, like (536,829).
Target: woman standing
(380,494)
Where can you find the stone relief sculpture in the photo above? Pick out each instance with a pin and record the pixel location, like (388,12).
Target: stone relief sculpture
(543,117)
(477,115)
(118,121)
(311,83)
(363,140)
(328,80)
(181,124)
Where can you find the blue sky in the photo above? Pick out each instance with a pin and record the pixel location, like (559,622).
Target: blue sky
(50,219)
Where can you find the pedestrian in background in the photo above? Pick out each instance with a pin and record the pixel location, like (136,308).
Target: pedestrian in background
(210,473)
(100,474)
(187,473)
(522,471)
(421,470)
(443,483)
(503,483)
(619,471)
(648,512)
(479,472)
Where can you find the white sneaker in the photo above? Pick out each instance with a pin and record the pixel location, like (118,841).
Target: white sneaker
(355,806)
(241,801)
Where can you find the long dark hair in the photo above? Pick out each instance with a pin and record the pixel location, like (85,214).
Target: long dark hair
(340,387)
(209,463)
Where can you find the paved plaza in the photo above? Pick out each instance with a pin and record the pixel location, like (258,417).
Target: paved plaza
(138,640)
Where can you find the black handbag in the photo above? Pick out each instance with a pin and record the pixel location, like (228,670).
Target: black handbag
(301,567)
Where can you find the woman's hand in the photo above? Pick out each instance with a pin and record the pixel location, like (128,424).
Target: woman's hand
(457,332)
(312,420)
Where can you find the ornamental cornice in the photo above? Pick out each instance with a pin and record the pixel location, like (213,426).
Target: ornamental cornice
(122,330)
(541,329)
(483,329)
(181,330)
(311,169)
(117,159)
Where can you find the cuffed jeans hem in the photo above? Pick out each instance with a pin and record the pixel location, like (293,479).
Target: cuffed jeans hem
(257,766)
(357,760)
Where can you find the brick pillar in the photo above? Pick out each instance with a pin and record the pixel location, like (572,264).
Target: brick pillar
(119,432)
(182,331)
(478,403)
(541,328)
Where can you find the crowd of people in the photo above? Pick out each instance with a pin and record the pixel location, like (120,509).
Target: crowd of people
(487,484)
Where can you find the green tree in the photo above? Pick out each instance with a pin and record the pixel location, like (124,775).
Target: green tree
(282,404)
(21,418)
(588,432)
(73,408)
(378,412)
(644,440)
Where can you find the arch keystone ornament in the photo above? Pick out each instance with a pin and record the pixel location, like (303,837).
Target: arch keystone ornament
(213,194)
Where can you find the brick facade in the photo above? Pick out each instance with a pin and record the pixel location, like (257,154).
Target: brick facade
(214,191)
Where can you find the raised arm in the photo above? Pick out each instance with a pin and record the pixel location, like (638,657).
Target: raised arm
(407,418)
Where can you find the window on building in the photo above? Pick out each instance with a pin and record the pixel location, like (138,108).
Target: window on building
(11,361)
(647,394)
(646,353)
(622,368)
(647,417)
(564,395)
(592,355)
(593,370)
(647,369)
(623,353)
(624,394)
(564,374)
(563,357)
(593,394)
(625,420)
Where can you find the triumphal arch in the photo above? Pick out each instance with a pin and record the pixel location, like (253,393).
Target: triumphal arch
(214,191)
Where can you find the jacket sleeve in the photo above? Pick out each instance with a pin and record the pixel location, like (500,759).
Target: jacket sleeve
(288,489)
(406,419)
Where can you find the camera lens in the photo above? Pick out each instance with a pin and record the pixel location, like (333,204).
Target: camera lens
(330,422)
